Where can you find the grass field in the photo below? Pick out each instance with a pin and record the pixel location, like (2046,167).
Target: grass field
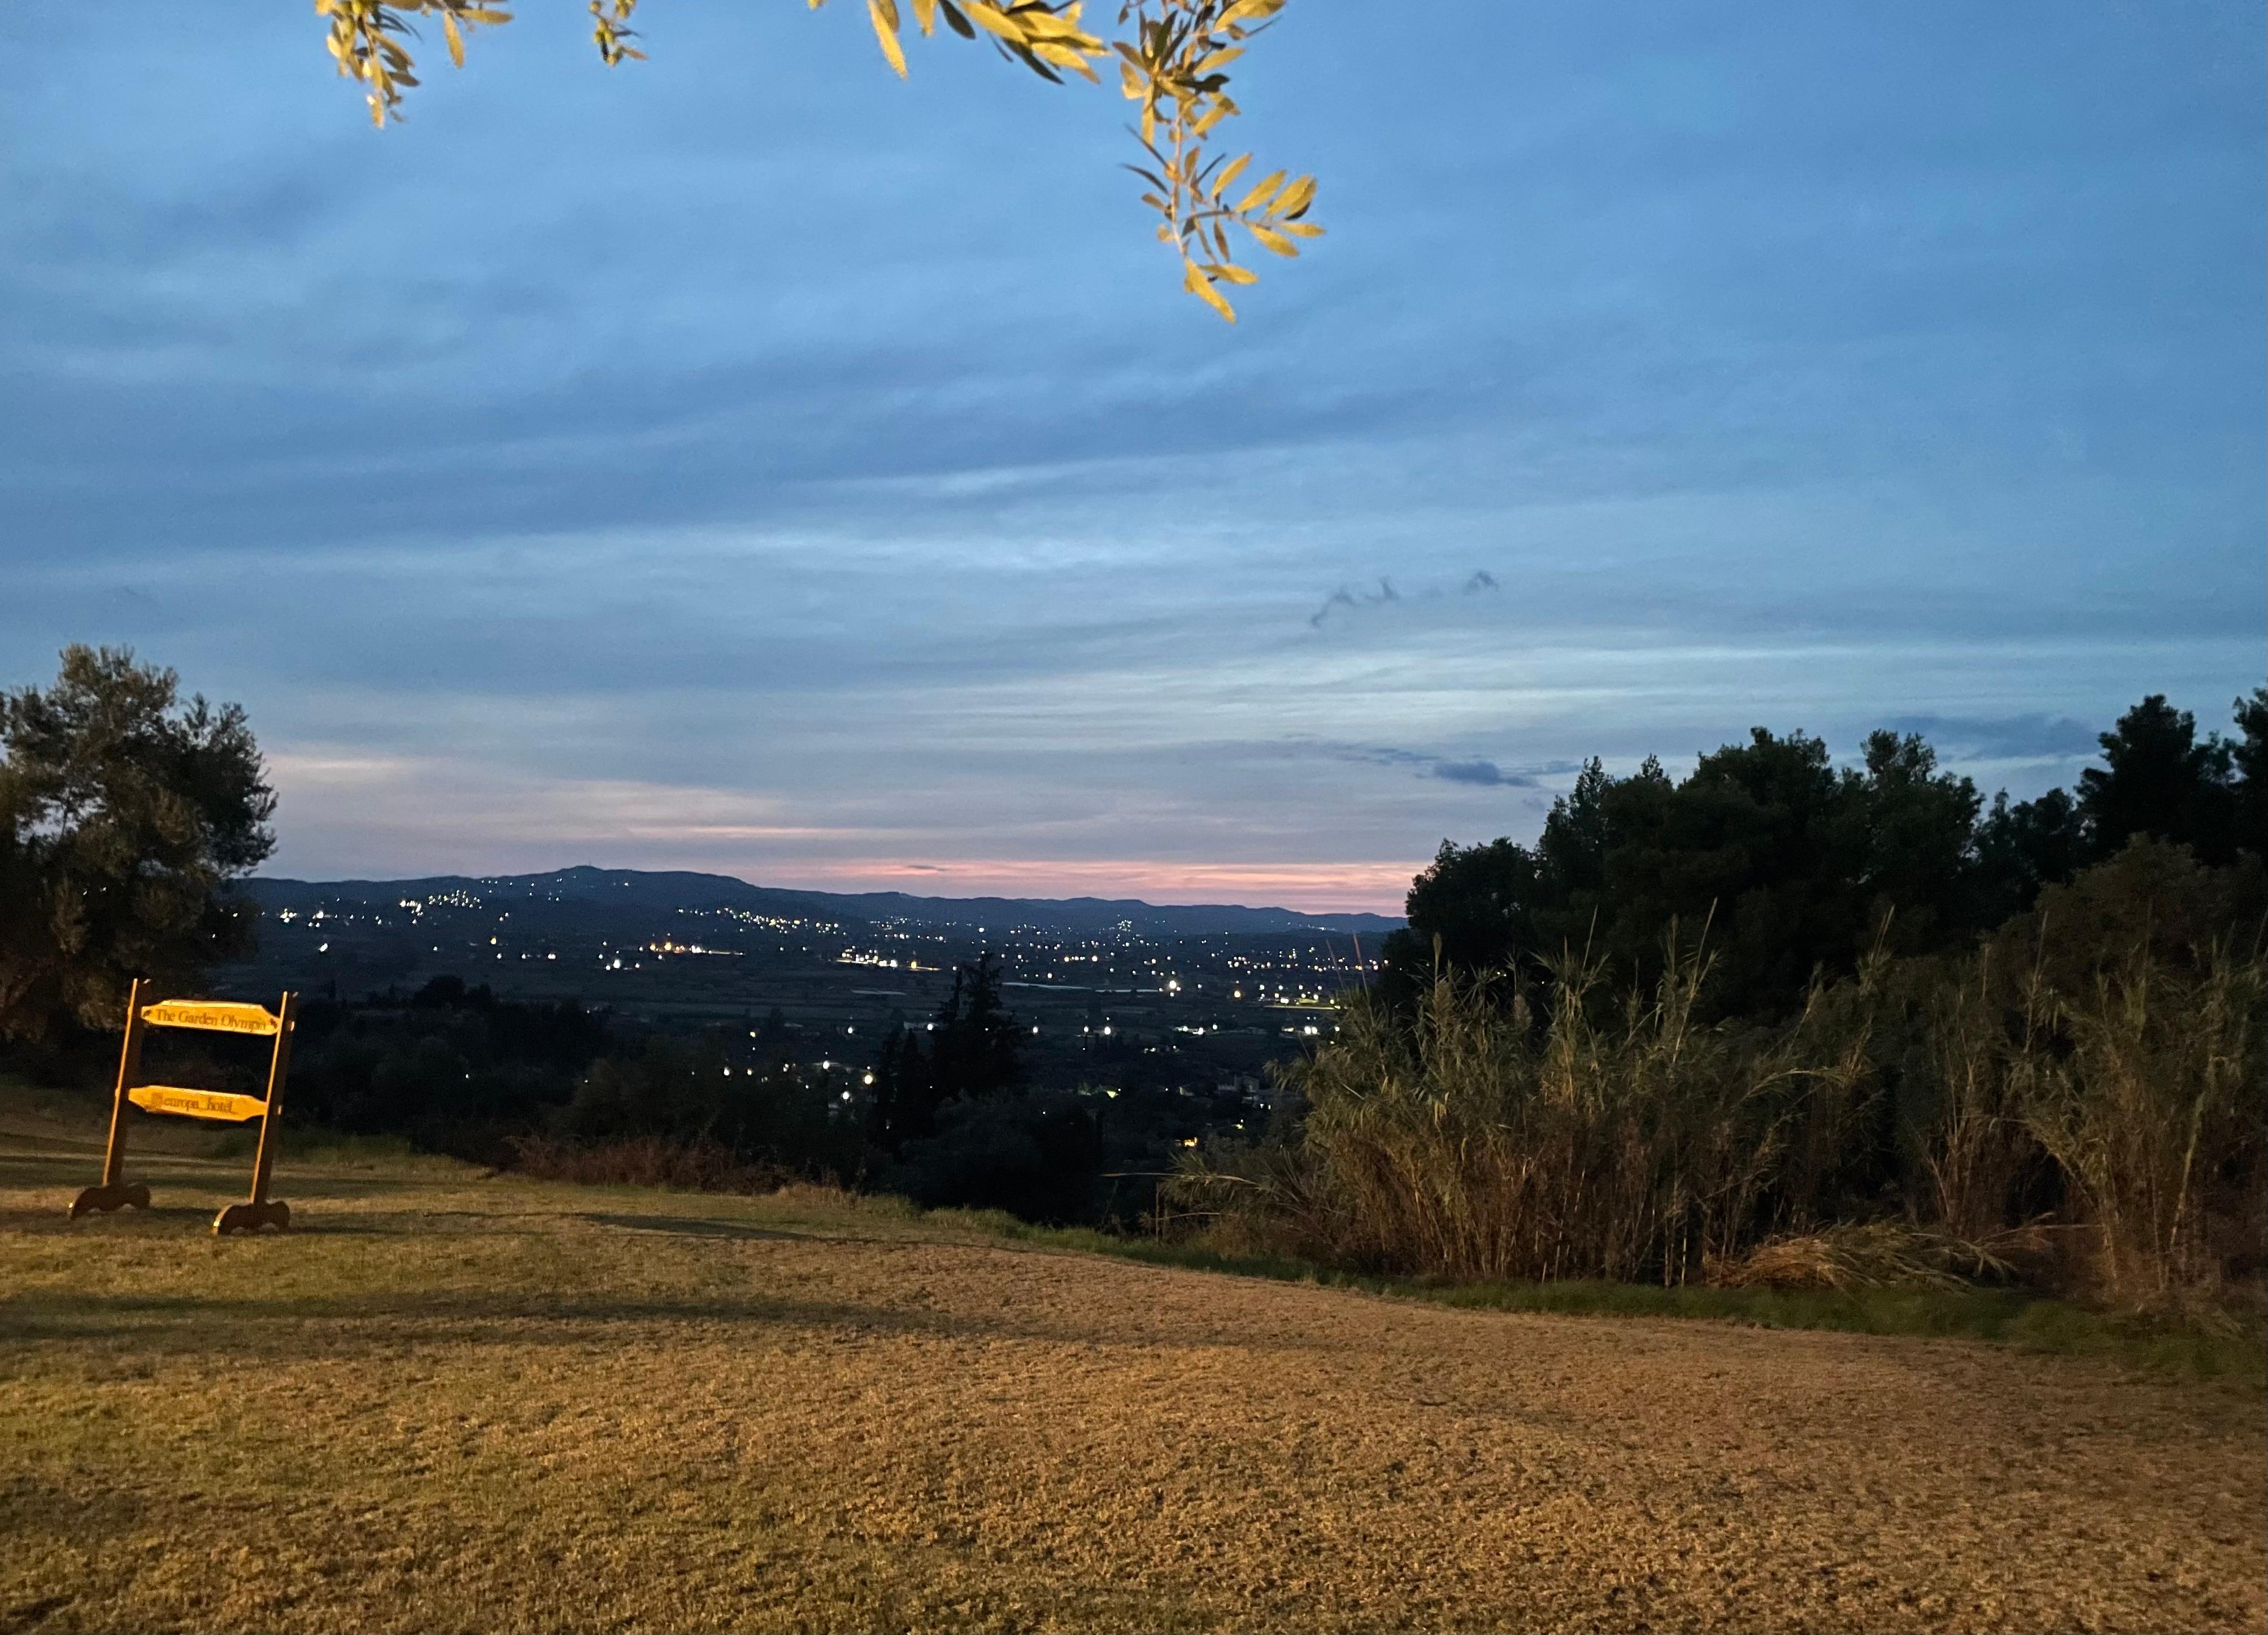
(448,1403)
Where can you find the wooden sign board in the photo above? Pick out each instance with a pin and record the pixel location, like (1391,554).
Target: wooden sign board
(228,1016)
(196,1103)
(218,1015)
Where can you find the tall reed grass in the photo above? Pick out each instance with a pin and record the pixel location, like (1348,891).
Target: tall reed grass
(1500,1134)
(1504,1132)
(2154,1112)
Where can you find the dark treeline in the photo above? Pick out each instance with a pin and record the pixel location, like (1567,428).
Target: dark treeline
(450,1068)
(953,1121)
(952,1113)
(1790,866)
(943,1113)
(1783,1021)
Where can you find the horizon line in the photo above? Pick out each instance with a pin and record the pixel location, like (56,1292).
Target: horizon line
(1300,877)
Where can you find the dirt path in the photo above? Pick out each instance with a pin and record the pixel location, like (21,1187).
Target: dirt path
(496,1405)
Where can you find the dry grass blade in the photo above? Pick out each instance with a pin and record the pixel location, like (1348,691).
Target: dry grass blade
(1876,1255)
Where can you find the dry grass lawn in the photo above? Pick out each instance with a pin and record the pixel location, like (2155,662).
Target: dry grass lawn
(442,1403)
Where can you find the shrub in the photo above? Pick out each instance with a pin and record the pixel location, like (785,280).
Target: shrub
(1035,1156)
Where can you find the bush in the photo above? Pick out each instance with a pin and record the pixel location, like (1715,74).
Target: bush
(1038,1157)
(686,1096)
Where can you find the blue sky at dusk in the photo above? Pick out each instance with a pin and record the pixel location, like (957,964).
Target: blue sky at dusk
(743,460)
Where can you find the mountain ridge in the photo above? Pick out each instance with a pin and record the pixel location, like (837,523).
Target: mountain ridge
(675,888)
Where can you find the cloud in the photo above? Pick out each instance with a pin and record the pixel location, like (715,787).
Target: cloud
(1479,580)
(1378,886)
(1353,599)
(1379,756)
(1485,773)
(1478,772)
(2010,737)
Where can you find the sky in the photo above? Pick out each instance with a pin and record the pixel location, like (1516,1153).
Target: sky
(744,460)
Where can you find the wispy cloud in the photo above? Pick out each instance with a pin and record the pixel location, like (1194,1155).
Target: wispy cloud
(1474,770)
(2010,737)
(1351,600)
(1485,773)
(1346,600)
(1379,886)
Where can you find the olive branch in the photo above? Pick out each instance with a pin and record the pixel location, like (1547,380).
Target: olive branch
(1173,60)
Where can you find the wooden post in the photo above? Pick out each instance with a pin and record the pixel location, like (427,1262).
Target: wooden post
(130,1069)
(260,1211)
(114,1193)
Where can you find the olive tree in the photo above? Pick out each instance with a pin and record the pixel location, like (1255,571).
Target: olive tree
(125,815)
(1173,58)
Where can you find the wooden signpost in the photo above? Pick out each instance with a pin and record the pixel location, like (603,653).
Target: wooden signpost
(214,1016)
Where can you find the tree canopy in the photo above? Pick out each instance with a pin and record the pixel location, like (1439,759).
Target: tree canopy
(124,816)
(973,1050)
(1787,865)
(2159,778)
(1173,58)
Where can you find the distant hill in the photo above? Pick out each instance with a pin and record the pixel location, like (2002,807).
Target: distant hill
(677,889)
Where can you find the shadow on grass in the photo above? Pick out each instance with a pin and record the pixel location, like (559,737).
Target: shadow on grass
(694,1227)
(165,1220)
(171,1219)
(172,1179)
(343,1323)
(278,1325)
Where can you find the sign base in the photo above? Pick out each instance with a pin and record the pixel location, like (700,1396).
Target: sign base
(108,1198)
(251,1216)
